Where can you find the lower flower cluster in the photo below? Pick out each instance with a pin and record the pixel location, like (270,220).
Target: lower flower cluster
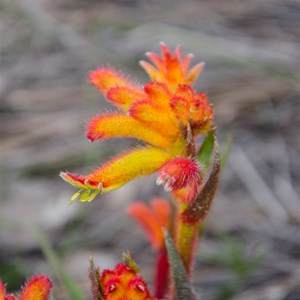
(37,288)
(123,283)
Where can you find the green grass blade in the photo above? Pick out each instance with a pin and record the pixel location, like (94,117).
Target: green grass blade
(73,291)
(225,152)
(204,154)
(181,280)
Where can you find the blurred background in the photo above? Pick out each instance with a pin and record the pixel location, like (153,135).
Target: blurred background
(251,244)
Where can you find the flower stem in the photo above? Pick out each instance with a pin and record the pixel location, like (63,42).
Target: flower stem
(161,276)
(186,240)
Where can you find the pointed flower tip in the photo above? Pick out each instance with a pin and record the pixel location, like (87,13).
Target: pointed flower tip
(95,278)
(178,173)
(37,288)
(142,62)
(170,68)
(128,260)
(124,96)
(115,86)
(72,179)
(90,137)
(88,189)
(105,78)
(195,71)
(164,47)
(80,181)
(116,172)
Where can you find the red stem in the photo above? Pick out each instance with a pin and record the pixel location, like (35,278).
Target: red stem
(161,274)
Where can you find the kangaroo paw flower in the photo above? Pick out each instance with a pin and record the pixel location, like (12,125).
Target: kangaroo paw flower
(167,114)
(117,172)
(118,125)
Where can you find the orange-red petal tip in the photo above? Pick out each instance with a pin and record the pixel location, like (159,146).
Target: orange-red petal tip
(88,189)
(106,78)
(37,288)
(170,68)
(152,219)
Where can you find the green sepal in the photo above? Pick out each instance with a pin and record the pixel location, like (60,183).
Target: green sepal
(128,260)
(204,155)
(198,210)
(75,195)
(85,195)
(225,152)
(93,195)
(95,278)
(181,280)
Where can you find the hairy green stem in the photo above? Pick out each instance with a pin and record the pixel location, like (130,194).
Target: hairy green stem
(186,240)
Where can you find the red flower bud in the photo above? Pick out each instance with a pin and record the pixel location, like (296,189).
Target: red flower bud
(178,173)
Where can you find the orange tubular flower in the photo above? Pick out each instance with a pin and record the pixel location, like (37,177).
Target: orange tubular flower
(166,113)
(153,219)
(37,288)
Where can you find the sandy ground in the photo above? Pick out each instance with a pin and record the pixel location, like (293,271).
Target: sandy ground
(251,50)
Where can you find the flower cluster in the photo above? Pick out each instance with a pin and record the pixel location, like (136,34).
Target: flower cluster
(124,282)
(166,113)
